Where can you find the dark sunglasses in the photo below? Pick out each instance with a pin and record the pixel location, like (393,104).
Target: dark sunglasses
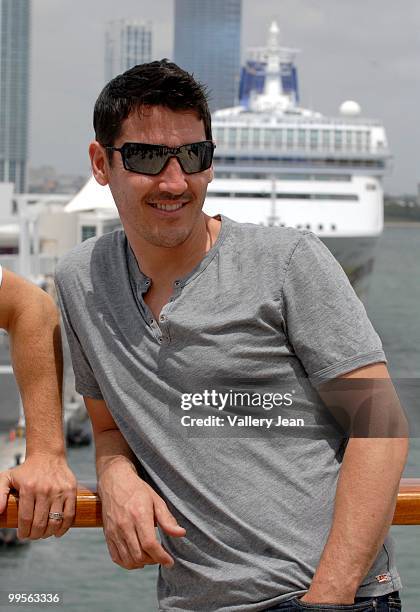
(151,159)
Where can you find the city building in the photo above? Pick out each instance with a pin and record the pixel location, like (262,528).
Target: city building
(208,44)
(127,43)
(15,18)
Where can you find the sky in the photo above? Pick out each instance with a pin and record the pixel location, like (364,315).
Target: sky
(365,50)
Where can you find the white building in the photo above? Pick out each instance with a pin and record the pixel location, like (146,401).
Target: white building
(127,43)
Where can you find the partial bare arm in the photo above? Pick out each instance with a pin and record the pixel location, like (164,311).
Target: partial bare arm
(364,506)
(130,507)
(44,481)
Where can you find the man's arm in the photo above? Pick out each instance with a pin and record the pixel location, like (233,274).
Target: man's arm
(44,481)
(131,509)
(364,506)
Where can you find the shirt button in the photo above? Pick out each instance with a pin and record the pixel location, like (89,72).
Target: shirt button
(147,283)
(160,340)
(162,318)
(177,283)
(151,321)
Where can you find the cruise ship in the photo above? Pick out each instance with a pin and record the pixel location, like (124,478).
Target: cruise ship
(277,163)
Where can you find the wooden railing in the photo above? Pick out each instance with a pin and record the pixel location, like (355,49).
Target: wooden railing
(89,513)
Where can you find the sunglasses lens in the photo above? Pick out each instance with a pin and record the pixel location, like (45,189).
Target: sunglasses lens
(144,159)
(151,159)
(196,157)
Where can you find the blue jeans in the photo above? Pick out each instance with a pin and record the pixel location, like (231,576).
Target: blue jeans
(381,603)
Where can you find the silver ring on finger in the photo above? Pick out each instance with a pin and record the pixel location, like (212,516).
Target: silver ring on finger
(56,516)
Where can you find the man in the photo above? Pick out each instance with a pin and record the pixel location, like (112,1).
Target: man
(179,306)
(46,485)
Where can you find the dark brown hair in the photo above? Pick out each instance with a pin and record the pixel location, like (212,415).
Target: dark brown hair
(159,83)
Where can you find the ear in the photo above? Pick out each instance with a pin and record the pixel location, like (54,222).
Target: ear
(211,173)
(99,162)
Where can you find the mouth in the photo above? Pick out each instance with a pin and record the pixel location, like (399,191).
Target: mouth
(167,208)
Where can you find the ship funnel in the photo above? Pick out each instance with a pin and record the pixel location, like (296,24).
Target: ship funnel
(273,38)
(275,59)
(273,87)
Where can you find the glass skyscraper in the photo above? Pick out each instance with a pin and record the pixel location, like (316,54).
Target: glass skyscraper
(14,91)
(127,43)
(208,43)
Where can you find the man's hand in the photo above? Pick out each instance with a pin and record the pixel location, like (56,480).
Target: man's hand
(131,509)
(325,598)
(45,484)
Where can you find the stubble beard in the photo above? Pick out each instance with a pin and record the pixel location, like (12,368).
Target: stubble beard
(166,234)
(166,238)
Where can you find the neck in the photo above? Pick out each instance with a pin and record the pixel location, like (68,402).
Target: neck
(166,264)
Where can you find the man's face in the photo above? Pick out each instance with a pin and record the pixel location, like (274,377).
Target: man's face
(138,196)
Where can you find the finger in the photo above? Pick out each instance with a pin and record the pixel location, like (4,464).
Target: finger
(69,511)
(148,560)
(127,560)
(167,521)
(152,547)
(25,514)
(138,555)
(113,552)
(4,490)
(53,525)
(146,533)
(40,520)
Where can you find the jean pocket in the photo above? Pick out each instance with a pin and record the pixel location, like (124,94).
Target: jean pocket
(394,604)
(361,606)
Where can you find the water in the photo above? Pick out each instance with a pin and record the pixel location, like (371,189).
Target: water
(394,311)
(79,565)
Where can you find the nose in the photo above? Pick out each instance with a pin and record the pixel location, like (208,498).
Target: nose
(172,178)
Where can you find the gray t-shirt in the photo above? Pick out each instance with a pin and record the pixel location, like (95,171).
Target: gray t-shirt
(267,309)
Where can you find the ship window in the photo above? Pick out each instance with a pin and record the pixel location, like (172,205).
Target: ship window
(314,136)
(371,186)
(301,138)
(219,135)
(320,227)
(232,137)
(333,226)
(326,135)
(267,138)
(308,226)
(255,137)
(343,197)
(290,135)
(244,136)
(88,231)
(338,139)
(278,138)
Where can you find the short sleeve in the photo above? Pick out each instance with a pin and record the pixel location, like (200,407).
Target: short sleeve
(325,321)
(86,383)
